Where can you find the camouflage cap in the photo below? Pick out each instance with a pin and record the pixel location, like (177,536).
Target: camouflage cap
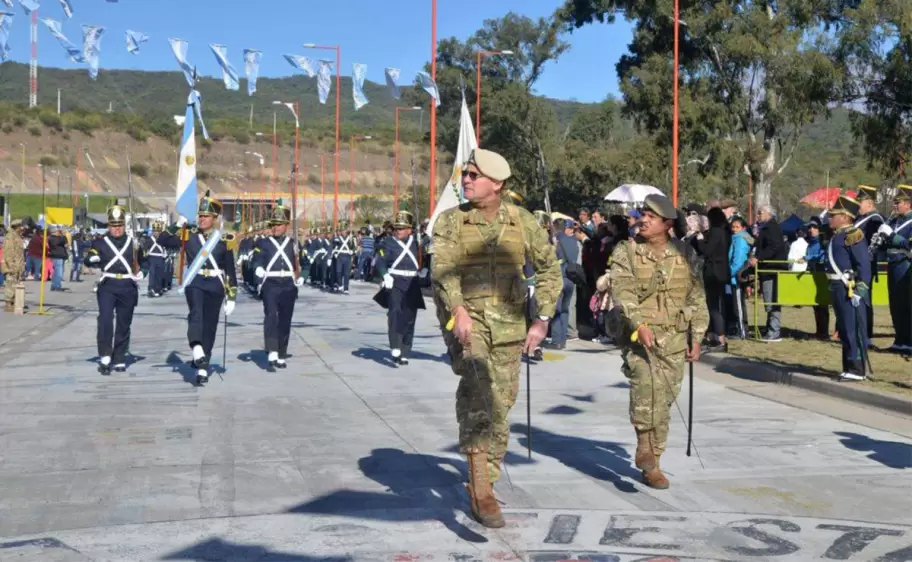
(661,205)
(16,223)
(490,164)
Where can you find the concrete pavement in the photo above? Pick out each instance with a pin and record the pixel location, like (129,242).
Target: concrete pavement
(346,457)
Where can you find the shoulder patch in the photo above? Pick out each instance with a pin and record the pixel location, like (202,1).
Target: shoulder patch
(228,237)
(854,236)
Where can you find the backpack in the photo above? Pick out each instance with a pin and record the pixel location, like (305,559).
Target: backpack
(615,326)
(574,271)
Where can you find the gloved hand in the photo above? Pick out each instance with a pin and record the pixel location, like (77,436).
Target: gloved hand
(229,307)
(260,272)
(387,281)
(181,222)
(856,300)
(95,259)
(139,276)
(299,282)
(423,273)
(885,229)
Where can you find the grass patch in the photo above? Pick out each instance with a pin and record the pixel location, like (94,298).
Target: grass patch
(22,205)
(800,350)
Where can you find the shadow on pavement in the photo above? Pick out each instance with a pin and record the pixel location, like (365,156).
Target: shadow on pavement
(581,398)
(218,550)
(259,357)
(563,410)
(601,460)
(178,365)
(418,488)
(888,453)
(383,357)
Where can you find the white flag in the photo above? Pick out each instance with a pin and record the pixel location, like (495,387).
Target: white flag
(324,80)
(392,81)
(429,86)
(229,74)
(303,64)
(452,194)
(358,72)
(91,47)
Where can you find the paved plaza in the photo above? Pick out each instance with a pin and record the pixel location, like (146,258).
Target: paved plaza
(344,456)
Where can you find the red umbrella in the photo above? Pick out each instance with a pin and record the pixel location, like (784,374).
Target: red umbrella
(825,197)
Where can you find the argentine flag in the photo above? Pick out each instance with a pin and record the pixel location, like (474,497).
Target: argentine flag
(186,200)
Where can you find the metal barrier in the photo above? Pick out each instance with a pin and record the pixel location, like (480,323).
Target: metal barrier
(808,288)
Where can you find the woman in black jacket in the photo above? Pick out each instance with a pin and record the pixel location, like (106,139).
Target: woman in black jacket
(713,246)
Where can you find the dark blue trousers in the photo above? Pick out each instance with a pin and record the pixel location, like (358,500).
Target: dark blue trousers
(156,274)
(205,296)
(279,297)
(852,323)
(343,270)
(116,298)
(401,318)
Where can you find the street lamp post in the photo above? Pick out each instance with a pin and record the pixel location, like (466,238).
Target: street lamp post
(396,158)
(293,107)
(351,176)
(338,51)
(478,89)
(674,136)
(262,176)
(433,165)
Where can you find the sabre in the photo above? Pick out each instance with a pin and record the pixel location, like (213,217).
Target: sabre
(690,401)
(225,346)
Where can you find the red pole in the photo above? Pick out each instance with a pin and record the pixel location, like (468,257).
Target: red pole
(323,186)
(275,154)
(478,100)
(674,138)
(433,185)
(338,105)
(396,168)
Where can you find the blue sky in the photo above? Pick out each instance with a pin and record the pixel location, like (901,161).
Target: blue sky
(378,33)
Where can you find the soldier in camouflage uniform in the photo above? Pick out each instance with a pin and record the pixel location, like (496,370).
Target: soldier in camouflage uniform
(479,252)
(658,295)
(13,263)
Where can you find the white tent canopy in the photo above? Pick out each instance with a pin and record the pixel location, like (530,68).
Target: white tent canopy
(632,193)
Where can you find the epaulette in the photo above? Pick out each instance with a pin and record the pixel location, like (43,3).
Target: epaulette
(854,236)
(228,237)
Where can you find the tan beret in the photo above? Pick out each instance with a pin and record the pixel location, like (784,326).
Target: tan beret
(661,205)
(490,164)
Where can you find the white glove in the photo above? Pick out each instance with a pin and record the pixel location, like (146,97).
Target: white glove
(299,282)
(94,259)
(387,281)
(260,272)
(139,276)
(885,229)
(856,300)
(229,307)
(181,222)
(423,273)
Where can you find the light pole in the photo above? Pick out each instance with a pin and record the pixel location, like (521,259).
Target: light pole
(478,89)
(323,186)
(338,51)
(293,107)
(396,159)
(433,184)
(262,174)
(674,135)
(351,175)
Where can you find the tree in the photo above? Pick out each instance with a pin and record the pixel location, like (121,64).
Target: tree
(369,208)
(753,75)
(878,49)
(514,122)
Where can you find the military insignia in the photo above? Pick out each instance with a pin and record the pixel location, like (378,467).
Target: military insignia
(854,236)
(189,160)
(115,213)
(457,174)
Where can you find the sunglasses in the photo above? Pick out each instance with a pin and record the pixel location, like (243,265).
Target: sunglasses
(471,175)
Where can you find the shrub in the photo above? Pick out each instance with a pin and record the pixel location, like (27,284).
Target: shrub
(137,133)
(19,121)
(7,128)
(51,120)
(34,130)
(202,175)
(242,137)
(140,169)
(48,161)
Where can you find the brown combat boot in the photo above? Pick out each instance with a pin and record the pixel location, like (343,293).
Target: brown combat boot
(485,509)
(654,477)
(644,459)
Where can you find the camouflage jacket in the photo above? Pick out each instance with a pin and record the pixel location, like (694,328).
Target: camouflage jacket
(664,292)
(13,254)
(479,265)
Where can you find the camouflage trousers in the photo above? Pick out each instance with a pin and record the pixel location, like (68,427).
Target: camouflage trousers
(655,382)
(9,286)
(487,391)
